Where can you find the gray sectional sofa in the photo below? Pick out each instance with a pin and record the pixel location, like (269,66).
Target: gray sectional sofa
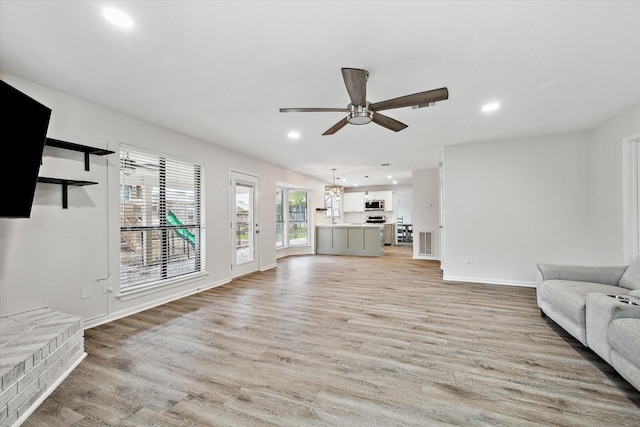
(600,307)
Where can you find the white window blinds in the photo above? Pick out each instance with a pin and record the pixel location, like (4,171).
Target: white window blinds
(162,233)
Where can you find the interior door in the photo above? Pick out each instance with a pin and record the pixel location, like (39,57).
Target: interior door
(244,224)
(636,242)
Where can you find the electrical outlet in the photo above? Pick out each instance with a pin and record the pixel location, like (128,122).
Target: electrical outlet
(108,286)
(469,259)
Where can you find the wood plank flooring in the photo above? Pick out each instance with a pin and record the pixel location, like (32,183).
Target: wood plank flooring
(341,341)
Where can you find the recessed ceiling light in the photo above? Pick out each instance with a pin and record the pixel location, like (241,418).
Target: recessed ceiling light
(492,106)
(294,135)
(118,17)
(389,176)
(344,179)
(395,182)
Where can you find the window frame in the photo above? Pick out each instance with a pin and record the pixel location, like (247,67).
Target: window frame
(287,221)
(280,219)
(165,189)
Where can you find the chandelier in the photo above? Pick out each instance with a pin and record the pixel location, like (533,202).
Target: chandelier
(334,190)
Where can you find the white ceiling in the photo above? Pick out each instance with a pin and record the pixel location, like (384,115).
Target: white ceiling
(220,71)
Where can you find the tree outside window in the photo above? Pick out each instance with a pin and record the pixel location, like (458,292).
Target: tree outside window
(292,226)
(280,240)
(298,225)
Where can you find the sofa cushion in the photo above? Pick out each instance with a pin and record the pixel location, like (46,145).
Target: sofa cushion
(631,277)
(601,311)
(570,297)
(607,275)
(624,337)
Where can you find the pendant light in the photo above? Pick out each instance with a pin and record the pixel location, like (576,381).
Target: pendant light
(366,189)
(334,190)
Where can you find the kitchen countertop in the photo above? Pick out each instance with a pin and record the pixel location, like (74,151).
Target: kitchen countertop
(349,225)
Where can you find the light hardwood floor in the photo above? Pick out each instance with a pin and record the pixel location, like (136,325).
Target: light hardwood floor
(341,341)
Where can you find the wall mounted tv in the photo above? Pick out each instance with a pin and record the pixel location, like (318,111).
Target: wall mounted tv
(24,126)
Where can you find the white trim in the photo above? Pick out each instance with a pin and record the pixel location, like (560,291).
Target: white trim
(254,181)
(48,391)
(151,152)
(198,187)
(630,214)
(268,267)
(294,250)
(91,323)
(425,257)
(478,280)
(147,289)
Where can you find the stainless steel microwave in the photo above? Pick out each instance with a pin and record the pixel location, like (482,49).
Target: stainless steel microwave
(374,205)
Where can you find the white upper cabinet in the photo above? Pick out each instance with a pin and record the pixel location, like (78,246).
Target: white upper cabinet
(353,202)
(387,196)
(388,200)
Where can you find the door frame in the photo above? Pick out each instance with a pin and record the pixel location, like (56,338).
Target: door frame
(631,199)
(253,180)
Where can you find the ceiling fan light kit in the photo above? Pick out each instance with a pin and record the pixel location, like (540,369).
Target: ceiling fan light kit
(361,112)
(359,115)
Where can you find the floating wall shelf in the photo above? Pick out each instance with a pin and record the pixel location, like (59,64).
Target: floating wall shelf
(78,147)
(67,182)
(65,185)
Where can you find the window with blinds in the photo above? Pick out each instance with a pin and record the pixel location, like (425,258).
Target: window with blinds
(279,218)
(162,232)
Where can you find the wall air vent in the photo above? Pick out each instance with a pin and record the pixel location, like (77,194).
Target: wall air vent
(426,243)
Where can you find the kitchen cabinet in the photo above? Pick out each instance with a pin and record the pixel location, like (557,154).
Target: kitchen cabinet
(376,195)
(353,202)
(350,239)
(387,196)
(388,201)
(389,234)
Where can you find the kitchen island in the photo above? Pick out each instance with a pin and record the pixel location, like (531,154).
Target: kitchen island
(350,239)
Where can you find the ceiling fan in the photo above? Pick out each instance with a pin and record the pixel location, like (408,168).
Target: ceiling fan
(361,112)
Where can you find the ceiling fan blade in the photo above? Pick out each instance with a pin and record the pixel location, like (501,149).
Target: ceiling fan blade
(388,122)
(356,82)
(420,98)
(312,110)
(335,128)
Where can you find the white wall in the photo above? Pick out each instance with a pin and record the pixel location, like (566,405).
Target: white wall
(560,199)
(426,211)
(606,180)
(46,260)
(511,204)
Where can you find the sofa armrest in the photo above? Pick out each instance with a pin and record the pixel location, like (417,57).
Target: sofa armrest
(601,310)
(607,275)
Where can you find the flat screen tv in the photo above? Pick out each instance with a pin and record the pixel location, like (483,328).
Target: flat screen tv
(24,126)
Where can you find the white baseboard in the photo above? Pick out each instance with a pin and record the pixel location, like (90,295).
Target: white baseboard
(489,281)
(426,257)
(268,267)
(90,323)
